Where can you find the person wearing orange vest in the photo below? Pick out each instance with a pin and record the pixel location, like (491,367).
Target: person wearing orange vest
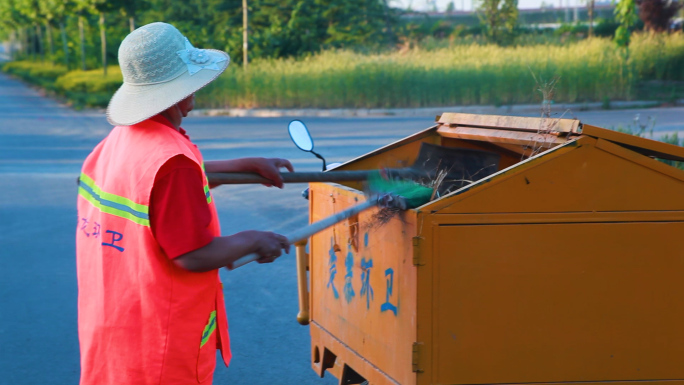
(148,242)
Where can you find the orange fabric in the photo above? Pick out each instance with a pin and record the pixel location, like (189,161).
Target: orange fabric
(141,318)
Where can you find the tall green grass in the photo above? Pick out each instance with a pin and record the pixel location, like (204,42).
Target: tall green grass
(461,74)
(589,70)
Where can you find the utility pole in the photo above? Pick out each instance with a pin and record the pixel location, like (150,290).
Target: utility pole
(244,34)
(81,34)
(590,14)
(103,39)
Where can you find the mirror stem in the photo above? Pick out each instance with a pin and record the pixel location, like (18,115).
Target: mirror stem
(321,158)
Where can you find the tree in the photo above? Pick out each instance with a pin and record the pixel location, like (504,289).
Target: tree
(306,29)
(499,18)
(48,16)
(353,22)
(82,8)
(56,11)
(657,14)
(8,25)
(31,11)
(625,15)
(102,7)
(279,28)
(60,11)
(14,23)
(131,8)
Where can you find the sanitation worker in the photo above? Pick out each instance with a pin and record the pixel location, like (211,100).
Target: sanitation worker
(148,244)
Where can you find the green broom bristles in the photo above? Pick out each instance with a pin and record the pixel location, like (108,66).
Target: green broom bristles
(413,193)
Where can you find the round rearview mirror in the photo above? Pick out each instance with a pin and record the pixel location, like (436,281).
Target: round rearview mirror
(300,135)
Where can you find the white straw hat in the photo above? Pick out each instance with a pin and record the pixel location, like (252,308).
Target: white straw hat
(160,68)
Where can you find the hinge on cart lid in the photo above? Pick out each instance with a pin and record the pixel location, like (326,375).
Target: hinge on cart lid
(415,358)
(418,251)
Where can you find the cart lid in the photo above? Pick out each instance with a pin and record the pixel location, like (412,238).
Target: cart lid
(638,144)
(519,133)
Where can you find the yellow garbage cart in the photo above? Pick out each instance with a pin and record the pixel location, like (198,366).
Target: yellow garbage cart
(564,266)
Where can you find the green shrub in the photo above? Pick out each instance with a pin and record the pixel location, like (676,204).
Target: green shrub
(82,88)
(90,88)
(40,73)
(92,81)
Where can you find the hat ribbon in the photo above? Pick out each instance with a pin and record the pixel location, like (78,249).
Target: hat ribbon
(199,59)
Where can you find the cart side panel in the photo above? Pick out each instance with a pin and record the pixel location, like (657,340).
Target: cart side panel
(363,287)
(538,303)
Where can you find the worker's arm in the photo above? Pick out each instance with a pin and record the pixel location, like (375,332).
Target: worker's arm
(269,168)
(222,251)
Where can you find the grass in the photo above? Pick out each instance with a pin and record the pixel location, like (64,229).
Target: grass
(588,70)
(460,74)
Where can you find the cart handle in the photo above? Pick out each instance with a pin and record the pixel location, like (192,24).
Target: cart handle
(302,282)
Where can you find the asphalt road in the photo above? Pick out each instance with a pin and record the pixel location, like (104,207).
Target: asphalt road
(42,146)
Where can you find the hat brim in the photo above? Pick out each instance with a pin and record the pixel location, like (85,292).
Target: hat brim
(132,103)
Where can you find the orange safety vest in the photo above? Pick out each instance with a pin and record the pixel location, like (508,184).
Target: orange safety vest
(141,318)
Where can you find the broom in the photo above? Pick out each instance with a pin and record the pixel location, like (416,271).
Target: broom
(396,194)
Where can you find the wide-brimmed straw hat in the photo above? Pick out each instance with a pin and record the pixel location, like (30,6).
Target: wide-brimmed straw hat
(160,68)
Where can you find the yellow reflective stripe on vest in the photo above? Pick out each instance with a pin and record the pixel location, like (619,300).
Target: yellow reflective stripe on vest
(207,193)
(206,187)
(209,329)
(113,204)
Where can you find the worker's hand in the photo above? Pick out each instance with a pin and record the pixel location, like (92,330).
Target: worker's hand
(270,245)
(269,168)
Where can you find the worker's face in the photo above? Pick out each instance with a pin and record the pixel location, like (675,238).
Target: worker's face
(186,105)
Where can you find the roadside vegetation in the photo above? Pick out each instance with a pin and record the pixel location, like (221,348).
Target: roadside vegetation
(588,70)
(359,53)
